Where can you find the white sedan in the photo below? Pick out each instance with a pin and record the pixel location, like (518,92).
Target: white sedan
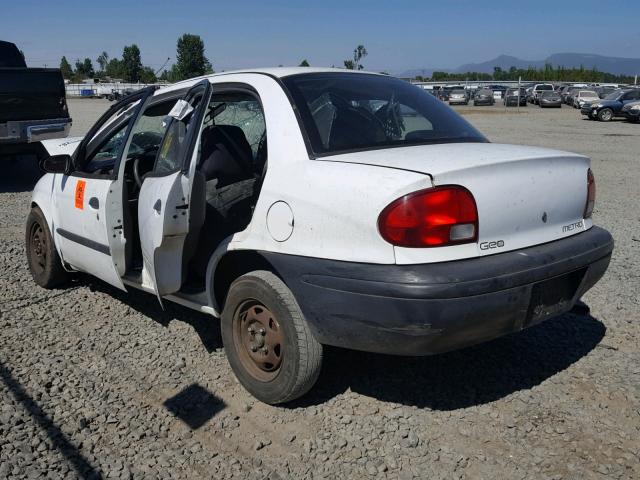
(308,207)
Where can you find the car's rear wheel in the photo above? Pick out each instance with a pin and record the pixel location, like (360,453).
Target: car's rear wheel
(605,115)
(267,340)
(43,259)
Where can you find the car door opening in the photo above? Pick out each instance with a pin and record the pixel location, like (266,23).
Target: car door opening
(230,168)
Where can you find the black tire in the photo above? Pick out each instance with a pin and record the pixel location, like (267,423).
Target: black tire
(261,294)
(43,259)
(605,115)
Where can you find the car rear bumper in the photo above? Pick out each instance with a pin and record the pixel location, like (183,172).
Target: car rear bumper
(433,308)
(30,131)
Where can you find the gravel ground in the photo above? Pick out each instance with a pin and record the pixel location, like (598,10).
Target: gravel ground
(98,384)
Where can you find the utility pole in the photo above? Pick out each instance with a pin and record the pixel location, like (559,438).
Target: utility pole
(166,61)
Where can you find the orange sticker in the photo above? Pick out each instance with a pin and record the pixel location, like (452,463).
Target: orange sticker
(80,194)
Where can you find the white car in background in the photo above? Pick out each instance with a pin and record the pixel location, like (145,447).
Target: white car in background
(537,89)
(309,207)
(582,97)
(458,97)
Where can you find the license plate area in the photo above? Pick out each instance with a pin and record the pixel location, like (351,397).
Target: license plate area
(553,297)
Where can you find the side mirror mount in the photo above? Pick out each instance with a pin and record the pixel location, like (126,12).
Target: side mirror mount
(57,164)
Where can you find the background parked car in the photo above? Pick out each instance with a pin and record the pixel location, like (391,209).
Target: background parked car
(484,96)
(549,98)
(458,97)
(632,111)
(498,91)
(584,96)
(564,92)
(605,90)
(611,106)
(537,89)
(511,97)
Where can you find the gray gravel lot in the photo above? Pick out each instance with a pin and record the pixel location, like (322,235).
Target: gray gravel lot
(95,383)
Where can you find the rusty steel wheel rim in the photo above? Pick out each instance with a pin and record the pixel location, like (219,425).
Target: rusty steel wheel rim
(38,248)
(258,339)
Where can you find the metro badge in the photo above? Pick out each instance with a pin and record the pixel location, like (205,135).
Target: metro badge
(80,186)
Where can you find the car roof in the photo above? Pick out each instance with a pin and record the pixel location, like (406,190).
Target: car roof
(279,72)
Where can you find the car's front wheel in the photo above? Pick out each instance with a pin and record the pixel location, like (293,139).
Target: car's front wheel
(605,115)
(267,340)
(44,262)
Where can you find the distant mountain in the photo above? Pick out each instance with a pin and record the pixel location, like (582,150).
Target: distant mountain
(505,62)
(615,65)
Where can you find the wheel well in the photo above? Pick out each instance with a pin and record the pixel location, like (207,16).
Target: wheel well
(233,265)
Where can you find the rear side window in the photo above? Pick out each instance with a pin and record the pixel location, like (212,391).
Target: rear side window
(343,112)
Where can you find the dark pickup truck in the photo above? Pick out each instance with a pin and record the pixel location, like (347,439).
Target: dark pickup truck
(32,103)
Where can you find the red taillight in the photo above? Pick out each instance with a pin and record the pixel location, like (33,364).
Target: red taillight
(434,217)
(591,194)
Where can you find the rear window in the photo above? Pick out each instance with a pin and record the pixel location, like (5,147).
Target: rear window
(10,56)
(544,87)
(343,112)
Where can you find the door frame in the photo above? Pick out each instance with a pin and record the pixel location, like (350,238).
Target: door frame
(183,173)
(113,202)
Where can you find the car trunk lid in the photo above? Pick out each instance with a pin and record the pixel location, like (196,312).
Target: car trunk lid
(525,195)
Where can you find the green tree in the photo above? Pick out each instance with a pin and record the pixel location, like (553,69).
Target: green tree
(304,63)
(103,60)
(66,68)
(358,54)
(131,63)
(84,69)
(114,68)
(190,59)
(147,75)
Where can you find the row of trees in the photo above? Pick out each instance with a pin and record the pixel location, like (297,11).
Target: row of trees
(190,62)
(128,68)
(548,73)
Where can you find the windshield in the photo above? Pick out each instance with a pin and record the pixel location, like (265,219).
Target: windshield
(346,112)
(588,93)
(613,95)
(544,87)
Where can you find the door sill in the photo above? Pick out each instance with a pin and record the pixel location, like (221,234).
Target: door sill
(198,301)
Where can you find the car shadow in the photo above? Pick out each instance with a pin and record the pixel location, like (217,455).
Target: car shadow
(464,378)
(207,327)
(19,174)
(468,377)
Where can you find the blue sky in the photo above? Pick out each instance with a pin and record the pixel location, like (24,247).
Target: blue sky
(398,34)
